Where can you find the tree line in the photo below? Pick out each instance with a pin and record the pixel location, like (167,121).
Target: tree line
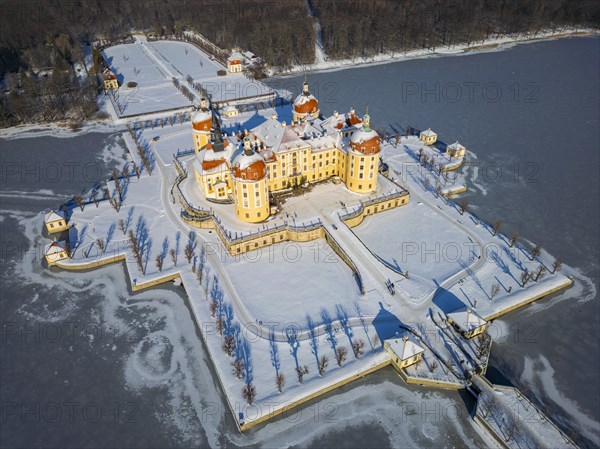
(359,28)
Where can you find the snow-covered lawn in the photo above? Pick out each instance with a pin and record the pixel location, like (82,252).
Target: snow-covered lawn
(417,239)
(186,60)
(288,281)
(130,63)
(152,65)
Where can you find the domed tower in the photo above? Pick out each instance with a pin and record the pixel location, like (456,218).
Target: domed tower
(201,124)
(363,159)
(305,105)
(251,192)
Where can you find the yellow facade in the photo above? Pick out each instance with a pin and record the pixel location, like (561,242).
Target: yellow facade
(397,361)
(468,334)
(361,172)
(216,185)
(428,137)
(252,200)
(111,84)
(456,150)
(55,252)
(201,139)
(56,226)
(300,154)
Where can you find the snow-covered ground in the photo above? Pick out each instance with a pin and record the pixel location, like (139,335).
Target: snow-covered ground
(153,65)
(300,301)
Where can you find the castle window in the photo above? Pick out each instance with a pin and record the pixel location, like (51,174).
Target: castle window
(360,187)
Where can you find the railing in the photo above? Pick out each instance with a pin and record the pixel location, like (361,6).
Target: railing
(361,207)
(184,152)
(233,237)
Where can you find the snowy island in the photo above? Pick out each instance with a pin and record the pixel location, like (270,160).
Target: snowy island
(313,251)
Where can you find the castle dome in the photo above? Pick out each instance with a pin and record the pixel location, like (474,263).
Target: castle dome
(247,164)
(202,120)
(306,103)
(365,140)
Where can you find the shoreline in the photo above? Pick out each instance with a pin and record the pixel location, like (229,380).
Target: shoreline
(486,46)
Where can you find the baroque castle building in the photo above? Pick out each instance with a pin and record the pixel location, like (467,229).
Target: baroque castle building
(275,156)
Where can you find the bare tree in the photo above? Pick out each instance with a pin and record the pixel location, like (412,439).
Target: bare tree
(228,344)
(514,238)
(556,265)
(357,347)
(536,251)
(495,291)
(115,176)
(238,367)
(137,251)
(100,243)
(220,325)
(524,278)
(159,262)
(340,355)
(420,153)
(122,226)
(497,226)
(433,366)
(539,273)
(323,362)
(301,371)
(173,254)
(249,393)
(189,251)
(280,381)
(464,206)
(213,308)
(80,201)
(114,202)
